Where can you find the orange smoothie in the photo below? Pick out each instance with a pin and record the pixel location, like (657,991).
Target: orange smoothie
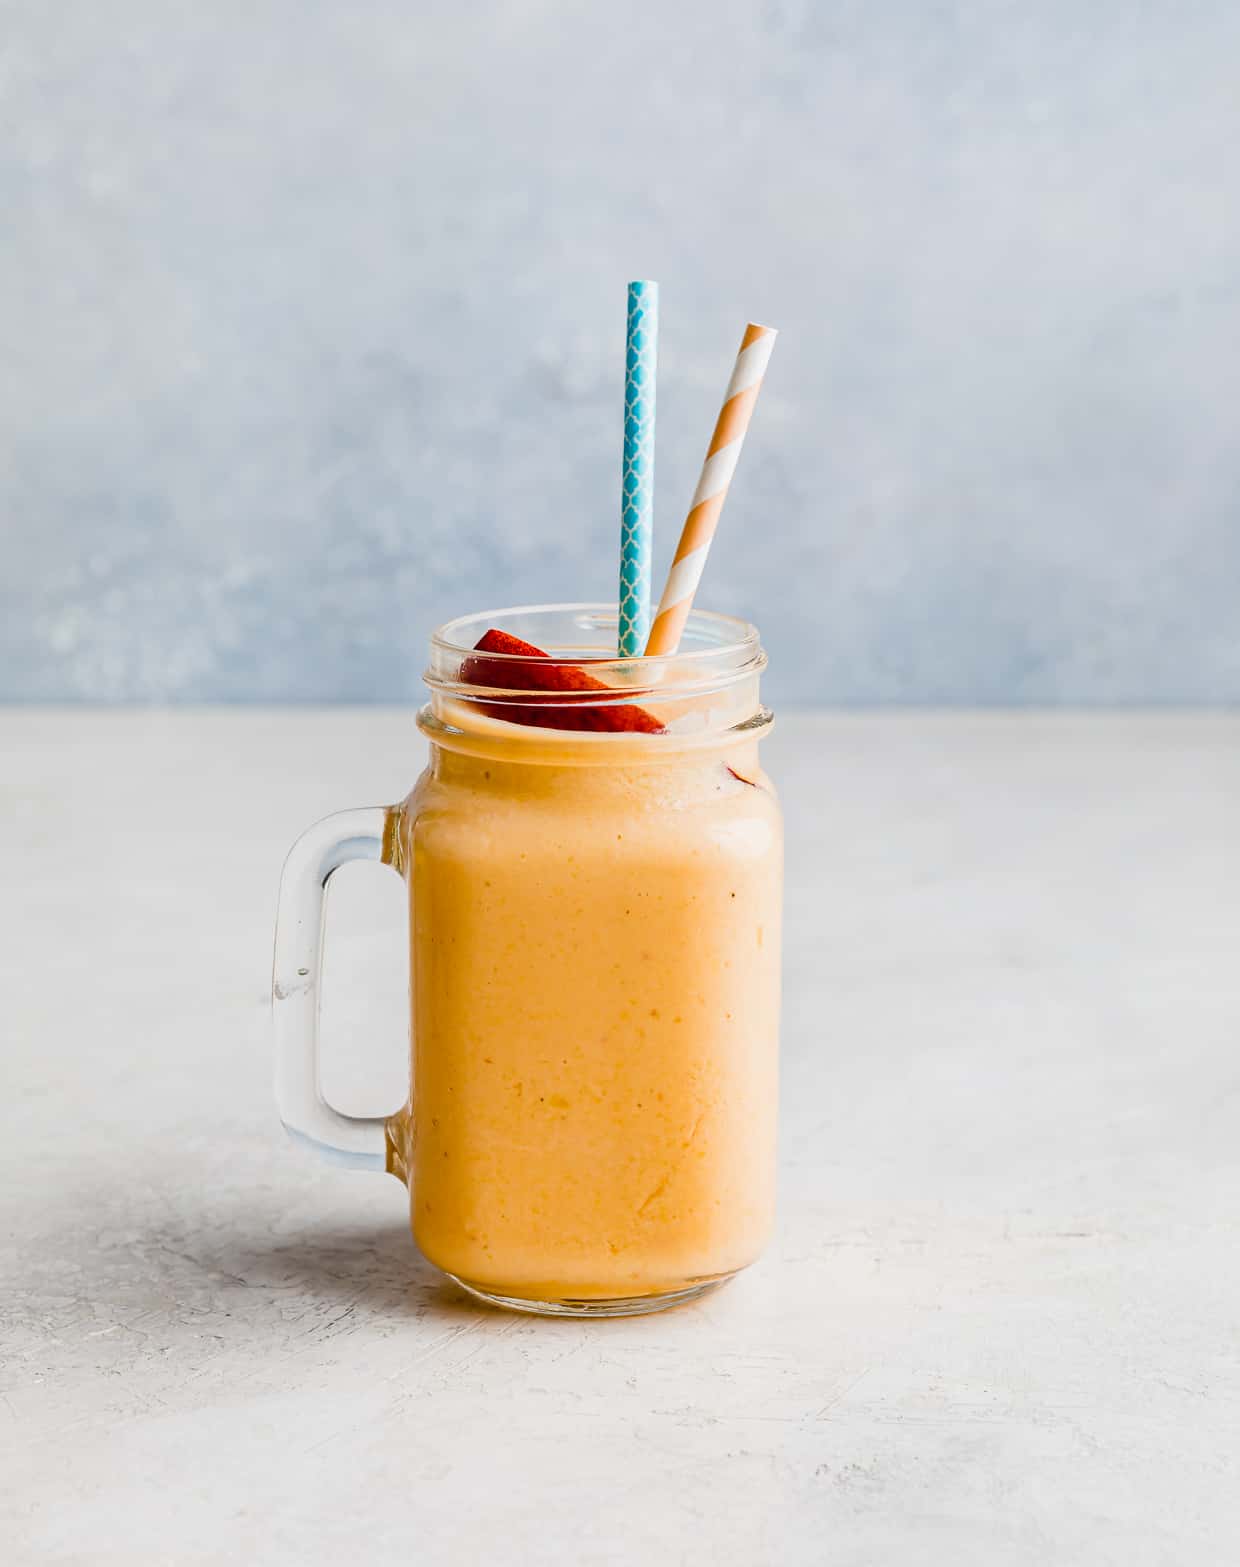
(594,929)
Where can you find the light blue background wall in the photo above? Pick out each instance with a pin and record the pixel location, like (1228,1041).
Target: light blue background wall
(312,320)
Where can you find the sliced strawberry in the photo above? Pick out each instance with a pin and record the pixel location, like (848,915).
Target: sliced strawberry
(523,671)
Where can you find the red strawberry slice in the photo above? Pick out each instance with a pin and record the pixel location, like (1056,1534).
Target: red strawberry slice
(507,674)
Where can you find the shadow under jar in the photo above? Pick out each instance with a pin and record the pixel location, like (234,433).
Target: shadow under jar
(594,926)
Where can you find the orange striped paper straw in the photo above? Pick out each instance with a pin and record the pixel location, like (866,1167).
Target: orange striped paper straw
(712,489)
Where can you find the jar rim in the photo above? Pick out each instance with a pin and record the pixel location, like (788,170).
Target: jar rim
(706,687)
(717,633)
(715,649)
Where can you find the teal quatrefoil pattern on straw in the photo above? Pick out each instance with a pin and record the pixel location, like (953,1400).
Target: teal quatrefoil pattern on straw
(637,493)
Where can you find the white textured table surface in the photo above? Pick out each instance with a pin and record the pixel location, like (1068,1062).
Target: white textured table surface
(1000,1321)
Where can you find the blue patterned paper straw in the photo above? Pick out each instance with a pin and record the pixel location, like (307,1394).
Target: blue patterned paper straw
(637,492)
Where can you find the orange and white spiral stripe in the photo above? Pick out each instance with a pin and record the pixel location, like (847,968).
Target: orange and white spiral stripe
(712,489)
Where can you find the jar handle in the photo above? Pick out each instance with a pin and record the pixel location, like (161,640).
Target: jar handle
(361,1142)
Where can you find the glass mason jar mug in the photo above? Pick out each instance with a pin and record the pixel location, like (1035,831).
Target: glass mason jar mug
(594,919)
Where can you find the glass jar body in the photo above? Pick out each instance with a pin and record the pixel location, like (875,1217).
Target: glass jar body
(595,1013)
